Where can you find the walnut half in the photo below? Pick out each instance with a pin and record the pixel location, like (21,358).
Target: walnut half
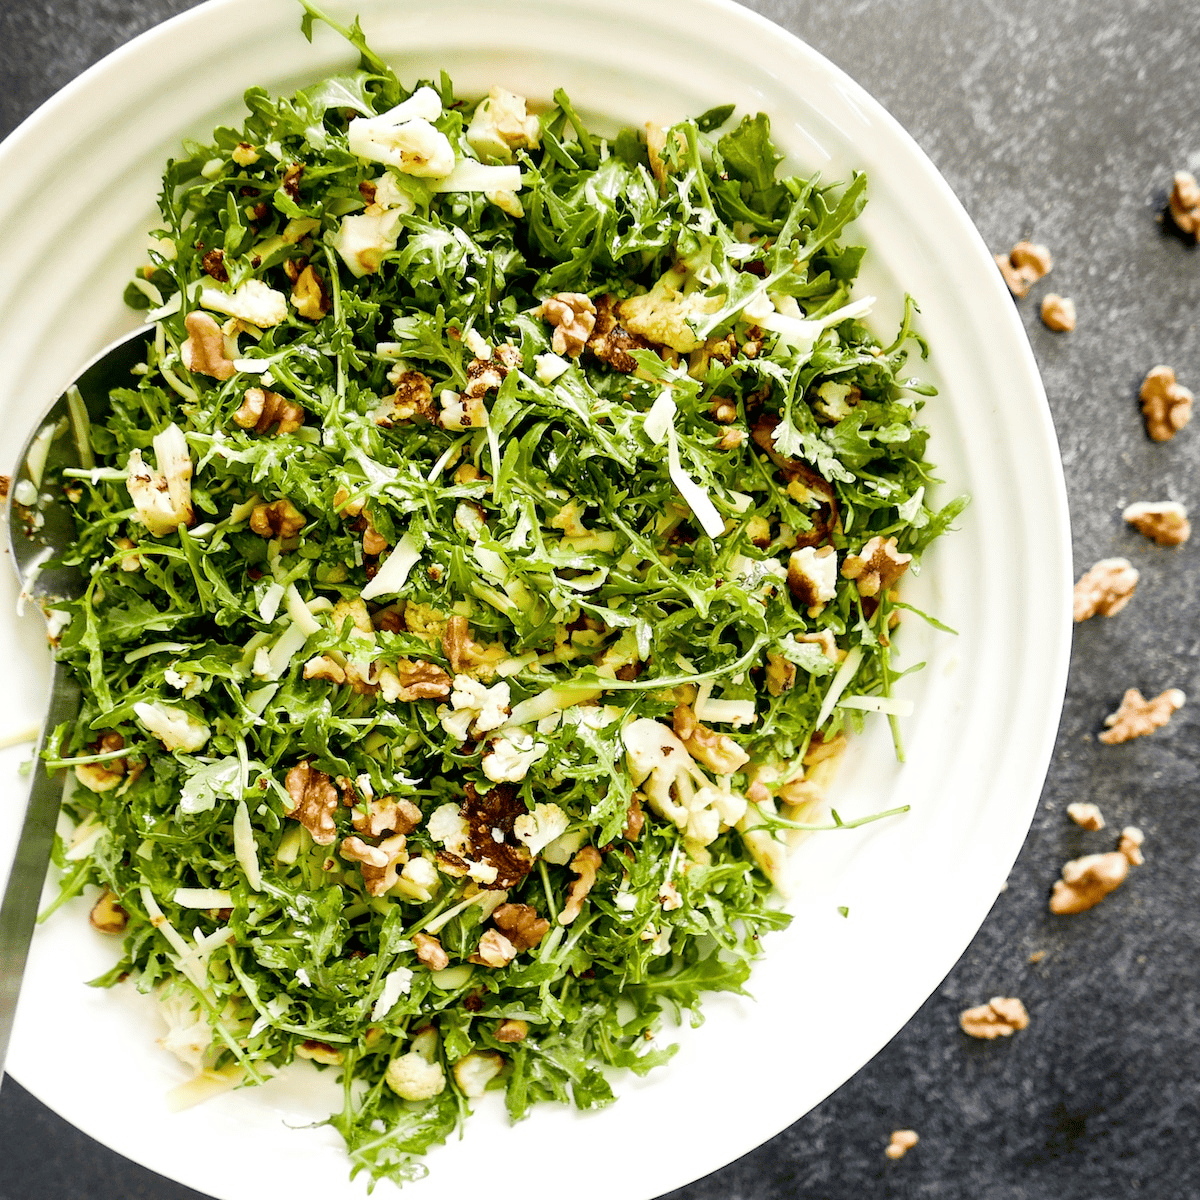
(1001,1016)
(314,801)
(261,409)
(1105,589)
(1166,404)
(1138,717)
(573,317)
(1184,203)
(1165,522)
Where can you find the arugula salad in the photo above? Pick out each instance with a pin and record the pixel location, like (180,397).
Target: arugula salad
(500,541)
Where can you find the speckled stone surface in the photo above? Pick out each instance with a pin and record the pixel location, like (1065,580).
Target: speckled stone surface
(1062,123)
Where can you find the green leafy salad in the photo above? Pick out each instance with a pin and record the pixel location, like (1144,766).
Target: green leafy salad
(500,540)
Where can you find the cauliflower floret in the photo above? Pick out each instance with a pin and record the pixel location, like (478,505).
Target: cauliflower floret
(501,125)
(253,302)
(364,238)
(474,708)
(403,137)
(163,498)
(175,728)
(412,1078)
(661,315)
(447,826)
(510,756)
(476,1070)
(541,827)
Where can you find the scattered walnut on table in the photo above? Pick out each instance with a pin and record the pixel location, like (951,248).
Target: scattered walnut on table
(1184,203)
(903,1140)
(279,519)
(573,316)
(1086,881)
(260,409)
(1086,816)
(876,567)
(1166,404)
(1105,589)
(314,801)
(1058,313)
(1139,717)
(1023,266)
(1130,845)
(1000,1017)
(1165,521)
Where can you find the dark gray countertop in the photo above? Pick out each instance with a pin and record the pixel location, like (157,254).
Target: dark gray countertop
(1063,123)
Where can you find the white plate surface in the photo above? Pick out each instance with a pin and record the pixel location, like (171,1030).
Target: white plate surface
(78,183)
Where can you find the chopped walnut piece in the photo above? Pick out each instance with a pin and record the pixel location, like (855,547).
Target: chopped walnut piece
(512,1030)
(1105,589)
(1086,816)
(573,317)
(999,1017)
(1165,522)
(521,924)
(585,864)
(321,1052)
(203,352)
(279,519)
(314,801)
(416,679)
(430,952)
(717,751)
(1139,717)
(411,401)
(1058,313)
(373,542)
(356,850)
(903,1140)
(494,950)
(1130,845)
(261,409)
(467,656)
(876,567)
(291,180)
(635,819)
(107,915)
(386,814)
(1184,203)
(379,879)
(1023,266)
(1166,405)
(108,774)
(781,674)
(1086,881)
(309,296)
(321,666)
(612,343)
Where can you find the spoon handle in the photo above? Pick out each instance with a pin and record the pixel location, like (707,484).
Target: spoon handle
(22,896)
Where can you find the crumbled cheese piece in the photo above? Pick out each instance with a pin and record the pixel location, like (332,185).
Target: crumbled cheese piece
(362,239)
(174,727)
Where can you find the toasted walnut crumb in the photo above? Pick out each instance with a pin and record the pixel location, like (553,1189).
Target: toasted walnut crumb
(430,952)
(279,519)
(1105,589)
(1184,203)
(635,819)
(512,1030)
(1023,266)
(573,317)
(1166,404)
(999,1017)
(1086,816)
(203,352)
(1086,881)
(314,801)
(494,950)
(1130,845)
(521,924)
(1058,313)
(1138,717)
(903,1140)
(1165,522)
(416,679)
(107,915)
(321,1052)
(876,567)
(1036,957)
(260,409)
(585,864)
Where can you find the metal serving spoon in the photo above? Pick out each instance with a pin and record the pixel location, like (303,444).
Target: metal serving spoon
(38,531)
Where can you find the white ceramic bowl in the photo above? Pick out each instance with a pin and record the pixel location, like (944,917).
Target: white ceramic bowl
(77,189)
